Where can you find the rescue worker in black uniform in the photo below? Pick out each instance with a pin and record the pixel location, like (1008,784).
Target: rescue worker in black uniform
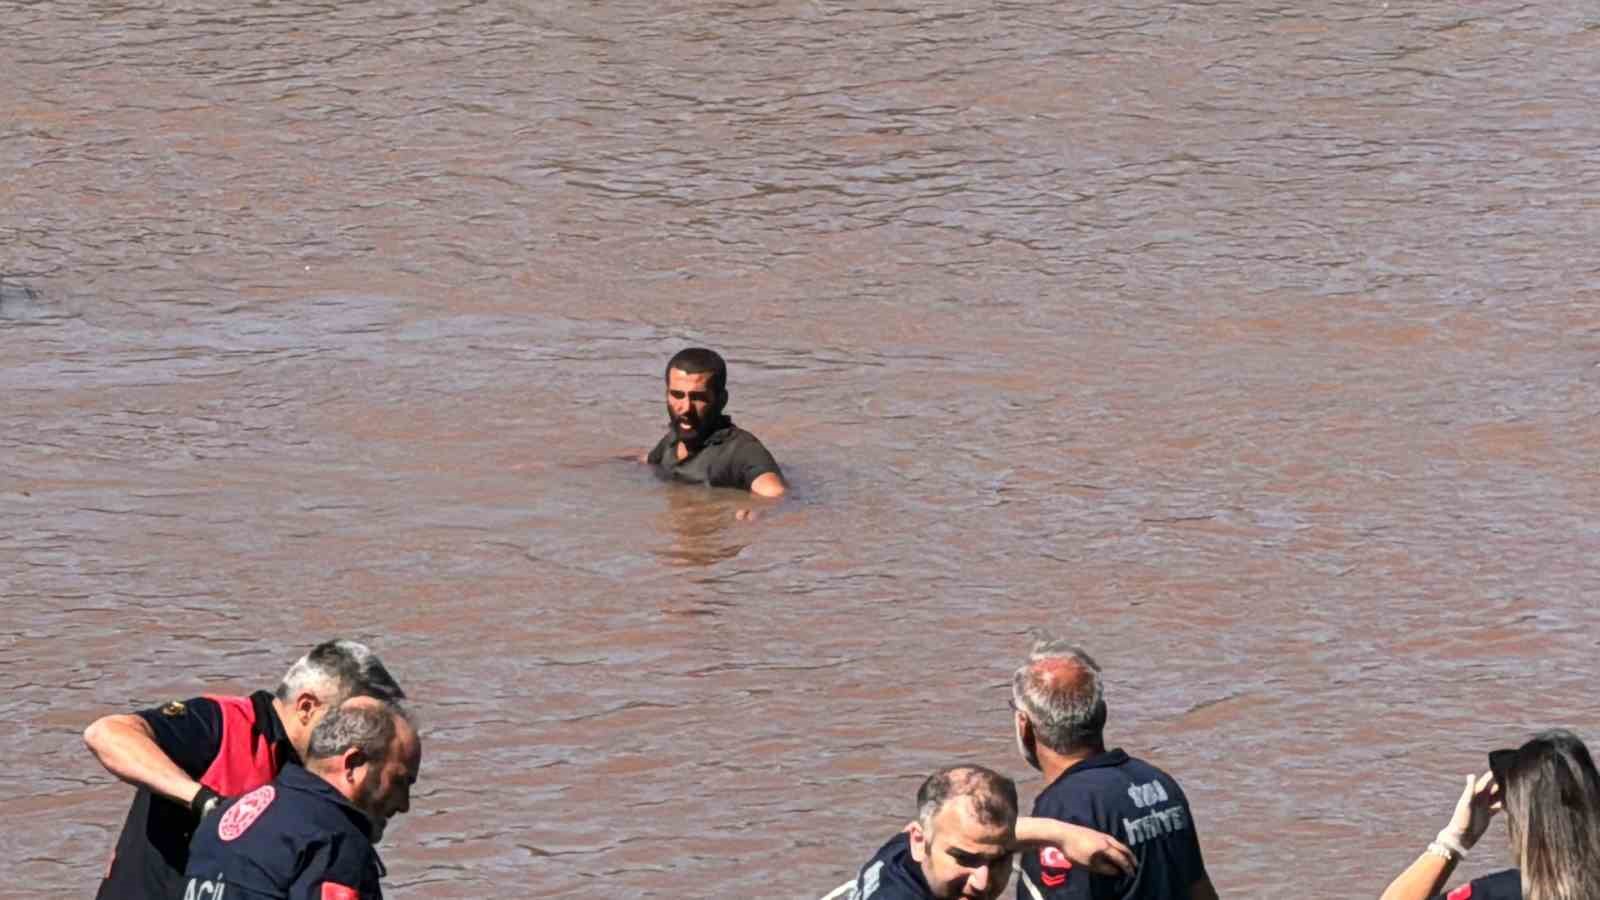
(186,756)
(960,845)
(309,834)
(702,445)
(1059,726)
(957,845)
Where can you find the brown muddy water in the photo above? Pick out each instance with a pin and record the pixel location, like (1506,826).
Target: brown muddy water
(1254,345)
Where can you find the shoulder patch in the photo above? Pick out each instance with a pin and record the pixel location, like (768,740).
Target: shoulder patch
(332,890)
(174,709)
(243,814)
(1462,893)
(1053,866)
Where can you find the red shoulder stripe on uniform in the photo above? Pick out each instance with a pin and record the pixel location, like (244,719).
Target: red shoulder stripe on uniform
(1461,893)
(332,890)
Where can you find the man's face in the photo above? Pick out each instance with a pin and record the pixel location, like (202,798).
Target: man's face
(964,857)
(385,792)
(691,404)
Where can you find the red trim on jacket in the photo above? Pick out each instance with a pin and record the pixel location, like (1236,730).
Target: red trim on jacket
(246,760)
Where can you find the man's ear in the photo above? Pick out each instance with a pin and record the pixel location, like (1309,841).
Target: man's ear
(353,760)
(306,705)
(919,852)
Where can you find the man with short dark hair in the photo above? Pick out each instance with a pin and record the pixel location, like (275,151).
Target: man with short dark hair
(1059,725)
(961,843)
(309,834)
(702,445)
(186,756)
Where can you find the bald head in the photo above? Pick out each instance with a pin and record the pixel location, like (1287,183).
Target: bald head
(1060,692)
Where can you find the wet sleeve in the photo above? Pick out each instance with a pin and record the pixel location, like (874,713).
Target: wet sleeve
(657,452)
(337,869)
(749,462)
(189,733)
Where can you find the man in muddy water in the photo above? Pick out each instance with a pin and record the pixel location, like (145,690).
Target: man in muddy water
(702,445)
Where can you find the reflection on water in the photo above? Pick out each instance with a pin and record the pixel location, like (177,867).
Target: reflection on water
(703,524)
(1250,346)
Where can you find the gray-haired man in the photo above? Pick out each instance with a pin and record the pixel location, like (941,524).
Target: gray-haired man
(309,834)
(962,842)
(1059,724)
(187,755)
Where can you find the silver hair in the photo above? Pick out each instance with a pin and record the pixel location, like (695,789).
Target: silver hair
(1067,708)
(337,670)
(368,727)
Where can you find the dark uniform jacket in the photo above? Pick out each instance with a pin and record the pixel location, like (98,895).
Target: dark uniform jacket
(1505,885)
(890,875)
(1136,803)
(232,745)
(295,839)
(730,457)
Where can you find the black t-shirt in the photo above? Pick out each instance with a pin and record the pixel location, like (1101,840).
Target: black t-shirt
(730,457)
(891,874)
(1133,801)
(1505,885)
(294,839)
(154,845)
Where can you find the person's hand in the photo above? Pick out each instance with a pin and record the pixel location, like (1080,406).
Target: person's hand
(1083,846)
(1480,800)
(205,802)
(1102,853)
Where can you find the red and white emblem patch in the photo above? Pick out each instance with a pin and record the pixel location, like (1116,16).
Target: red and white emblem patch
(243,814)
(1053,866)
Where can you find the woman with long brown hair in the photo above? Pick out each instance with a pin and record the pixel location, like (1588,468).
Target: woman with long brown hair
(1550,793)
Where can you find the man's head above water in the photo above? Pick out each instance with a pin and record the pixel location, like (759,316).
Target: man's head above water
(965,832)
(697,392)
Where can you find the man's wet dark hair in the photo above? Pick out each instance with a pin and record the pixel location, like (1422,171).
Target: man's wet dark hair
(698,361)
(994,796)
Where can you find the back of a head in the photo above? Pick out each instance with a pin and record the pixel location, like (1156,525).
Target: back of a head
(362,723)
(337,670)
(698,361)
(1552,803)
(993,797)
(1060,690)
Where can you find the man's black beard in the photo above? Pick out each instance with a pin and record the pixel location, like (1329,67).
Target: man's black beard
(704,429)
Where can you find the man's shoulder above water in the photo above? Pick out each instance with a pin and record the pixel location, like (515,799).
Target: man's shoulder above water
(729,457)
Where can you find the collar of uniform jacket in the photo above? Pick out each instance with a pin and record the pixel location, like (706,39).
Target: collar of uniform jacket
(270,727)
(1108,759)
